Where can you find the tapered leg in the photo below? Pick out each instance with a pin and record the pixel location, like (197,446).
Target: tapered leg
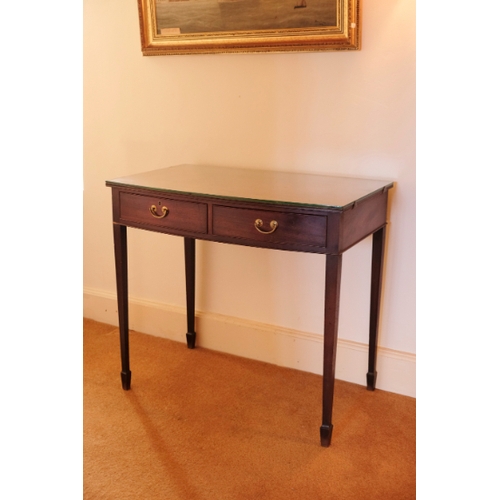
(332,296)
(378,246)
(189,257)
(120,240)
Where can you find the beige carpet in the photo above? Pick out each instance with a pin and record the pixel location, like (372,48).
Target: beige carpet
(199,425)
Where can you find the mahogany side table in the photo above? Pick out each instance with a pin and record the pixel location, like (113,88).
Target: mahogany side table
(258,208)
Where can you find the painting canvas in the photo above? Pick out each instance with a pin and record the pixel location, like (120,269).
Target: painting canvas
(198,26)
(202,16)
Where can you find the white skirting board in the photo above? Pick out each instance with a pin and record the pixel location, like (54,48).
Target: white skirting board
(271,344)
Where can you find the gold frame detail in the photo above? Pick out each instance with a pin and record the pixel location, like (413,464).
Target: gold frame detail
(344,36)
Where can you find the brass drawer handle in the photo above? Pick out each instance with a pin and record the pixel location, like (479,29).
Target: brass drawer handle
(154,213)
(273,225)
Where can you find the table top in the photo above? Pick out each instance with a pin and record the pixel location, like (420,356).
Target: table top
(284,188)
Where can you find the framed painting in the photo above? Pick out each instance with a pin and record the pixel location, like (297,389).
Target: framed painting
(212,26)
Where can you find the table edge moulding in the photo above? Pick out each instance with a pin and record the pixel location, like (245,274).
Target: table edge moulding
(266,209)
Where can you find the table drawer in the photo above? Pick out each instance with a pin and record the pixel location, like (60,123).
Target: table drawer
(270,226)
(163,212)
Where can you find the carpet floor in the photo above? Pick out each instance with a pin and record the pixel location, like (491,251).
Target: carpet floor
(202,425)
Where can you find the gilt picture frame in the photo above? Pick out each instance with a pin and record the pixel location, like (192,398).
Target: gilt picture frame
(217,26)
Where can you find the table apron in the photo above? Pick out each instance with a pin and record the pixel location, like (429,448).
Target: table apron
(310,230)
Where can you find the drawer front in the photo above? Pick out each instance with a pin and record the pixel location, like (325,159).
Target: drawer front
(163,212)
(270,226)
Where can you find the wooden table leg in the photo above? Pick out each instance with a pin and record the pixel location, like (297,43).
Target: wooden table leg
(332,299)
(120,241)
(378,246)
(189,258)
